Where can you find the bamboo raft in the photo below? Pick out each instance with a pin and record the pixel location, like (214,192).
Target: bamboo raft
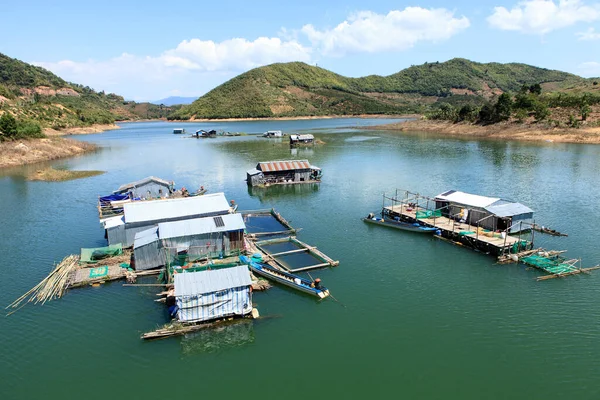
(71,273)
(177,328)
(549,261)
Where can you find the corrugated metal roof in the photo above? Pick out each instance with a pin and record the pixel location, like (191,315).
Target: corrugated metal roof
(201,226)
(508,209)
(201,282)
(289,165)
(131,185)
(113,221)
(253,172)
(467,199)
(145,237)
(143,211)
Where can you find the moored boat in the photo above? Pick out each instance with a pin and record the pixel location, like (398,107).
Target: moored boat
(304,285)
(405,226)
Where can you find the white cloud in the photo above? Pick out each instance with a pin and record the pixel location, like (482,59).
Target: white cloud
(192,68)
(590,69)
(543,16)
(369,32)
(590,34)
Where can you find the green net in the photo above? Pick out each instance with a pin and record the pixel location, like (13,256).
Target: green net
(553,265)
(93,255)
(428,214)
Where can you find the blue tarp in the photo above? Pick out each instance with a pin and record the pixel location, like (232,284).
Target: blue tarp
(114,197)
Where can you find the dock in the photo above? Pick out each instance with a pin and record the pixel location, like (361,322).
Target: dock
(473,236)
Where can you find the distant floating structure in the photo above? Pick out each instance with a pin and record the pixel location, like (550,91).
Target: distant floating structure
(269,173)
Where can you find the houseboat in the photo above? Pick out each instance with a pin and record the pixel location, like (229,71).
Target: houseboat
(269,173)
(273,134)
(302,140)
(178,131)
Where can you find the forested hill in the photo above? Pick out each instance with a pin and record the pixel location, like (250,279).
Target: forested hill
(299,89)
(38,96)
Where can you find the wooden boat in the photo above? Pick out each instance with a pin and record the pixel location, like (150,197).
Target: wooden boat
(547,231)
(285,278)
(405,226)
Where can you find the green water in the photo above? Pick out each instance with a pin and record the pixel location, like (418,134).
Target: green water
(416,317)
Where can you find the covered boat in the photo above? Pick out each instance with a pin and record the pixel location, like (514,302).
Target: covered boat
(304,285)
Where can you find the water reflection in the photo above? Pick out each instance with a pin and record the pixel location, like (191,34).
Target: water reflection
(267,194)
(303,152)
(238,333)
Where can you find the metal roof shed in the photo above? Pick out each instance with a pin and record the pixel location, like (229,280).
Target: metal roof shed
(147,252)
(204,237)
(213,294)
(142,212)
(150,187)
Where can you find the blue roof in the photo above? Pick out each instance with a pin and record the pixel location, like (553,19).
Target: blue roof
(503,209)
(145,237)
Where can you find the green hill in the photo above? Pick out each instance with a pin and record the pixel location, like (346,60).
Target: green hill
(36,95)
(299,89)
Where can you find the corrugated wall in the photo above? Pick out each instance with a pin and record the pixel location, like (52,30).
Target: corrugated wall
(117,235)
(150,190)
(208,245)
(149,256)
(204,307)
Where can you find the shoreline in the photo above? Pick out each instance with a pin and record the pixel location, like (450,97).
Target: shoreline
(82,130)
(30,151)
(504,131)
(300,118)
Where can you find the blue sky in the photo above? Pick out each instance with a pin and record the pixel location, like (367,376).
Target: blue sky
(154,49)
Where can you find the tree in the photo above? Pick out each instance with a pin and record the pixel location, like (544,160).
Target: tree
(8,125)
(585,110)
(466,113)
(540,111)
(535,89)
(486,114)
(503,107)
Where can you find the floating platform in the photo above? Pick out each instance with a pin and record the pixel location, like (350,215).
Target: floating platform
(459,232)
(274,258)
(261,223)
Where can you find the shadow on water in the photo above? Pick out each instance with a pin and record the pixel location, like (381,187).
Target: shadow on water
(267,194)
(218,339)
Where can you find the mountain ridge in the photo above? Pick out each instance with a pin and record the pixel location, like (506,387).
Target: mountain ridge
(298,89)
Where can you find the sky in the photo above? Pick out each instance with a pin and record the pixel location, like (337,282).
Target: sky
(149,50)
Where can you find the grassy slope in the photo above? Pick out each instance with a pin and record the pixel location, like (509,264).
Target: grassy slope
(298,89)
(19,80)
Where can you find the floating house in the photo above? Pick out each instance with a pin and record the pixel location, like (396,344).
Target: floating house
(302,140)
(178,131)
(213,294)
(273,134)
(147,188)
(283,172)
(490,213)
(199,238)
(142,215)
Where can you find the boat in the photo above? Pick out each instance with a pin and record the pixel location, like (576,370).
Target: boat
(205,134)
(547,231)
(285,278)
(273,134)
(178,131)
(405,226)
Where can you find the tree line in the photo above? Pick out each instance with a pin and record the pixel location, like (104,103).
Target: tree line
(526,103)
(11,128)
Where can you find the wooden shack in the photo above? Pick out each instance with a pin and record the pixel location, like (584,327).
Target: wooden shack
(283,172)
(302,140)
(147,188)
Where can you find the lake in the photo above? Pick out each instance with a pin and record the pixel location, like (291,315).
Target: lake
(415,317)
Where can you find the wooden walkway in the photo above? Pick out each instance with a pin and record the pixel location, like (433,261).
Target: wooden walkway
(453,229)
